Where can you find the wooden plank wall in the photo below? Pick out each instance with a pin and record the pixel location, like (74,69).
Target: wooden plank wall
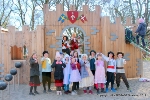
(34,40)
(99,42)
(37,40)
(51,23)
(119,44)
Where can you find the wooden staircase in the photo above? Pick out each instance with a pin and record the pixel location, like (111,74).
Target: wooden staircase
(146,49)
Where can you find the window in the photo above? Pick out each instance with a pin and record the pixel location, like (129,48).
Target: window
(16,53)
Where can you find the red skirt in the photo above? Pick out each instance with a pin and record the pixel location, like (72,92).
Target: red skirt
(34,81)
(59,82)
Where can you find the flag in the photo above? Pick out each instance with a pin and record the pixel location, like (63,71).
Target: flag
(62,18)
(83,18)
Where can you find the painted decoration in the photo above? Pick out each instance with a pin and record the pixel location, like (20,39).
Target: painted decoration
(83,18)
(62,18)
(72,16)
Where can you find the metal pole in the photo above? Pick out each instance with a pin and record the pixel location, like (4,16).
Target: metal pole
(18,76)
(2,94)
(8,88)
(14,82)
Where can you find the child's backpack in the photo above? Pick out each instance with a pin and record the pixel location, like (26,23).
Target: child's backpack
(128,36)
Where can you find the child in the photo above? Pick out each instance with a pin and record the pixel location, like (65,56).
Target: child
(67,72)
(74,42)
(100,73)
(92,63)
(76,56)
(86,74)
(62,59)
(111,70)
(34,74)
(58,73)
(62,56)
(46,71)
(120,72)
(74,76)
(65,45)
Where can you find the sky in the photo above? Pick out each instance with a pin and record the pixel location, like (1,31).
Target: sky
(15,19)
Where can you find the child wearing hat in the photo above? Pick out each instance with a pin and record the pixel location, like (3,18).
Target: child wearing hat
(87,78)
(120,71)
(67,71)
(46,71)
(111,70)
(58,73)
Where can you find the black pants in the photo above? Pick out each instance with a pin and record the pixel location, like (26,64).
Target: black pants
(31,88)
(142,38)
(67,50)
(46,77)
(110,78)
(74,86)
(118,76)
(77,83)
(93,72)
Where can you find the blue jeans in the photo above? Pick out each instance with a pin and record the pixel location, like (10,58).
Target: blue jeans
(142,38)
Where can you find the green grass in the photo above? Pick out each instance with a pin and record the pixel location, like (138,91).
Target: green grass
(147,59)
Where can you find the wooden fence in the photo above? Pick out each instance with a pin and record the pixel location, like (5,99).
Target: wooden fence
(11,46)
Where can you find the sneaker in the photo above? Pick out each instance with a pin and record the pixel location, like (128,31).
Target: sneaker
(98,91)
(66,92)
(128,89)
(36,92)
(60,92)
(103,91)
(31,93)
(57,92)
(73,93)
(85,92)
(44,91)
(69,91)
(117,88)
(90,92)
(113,90)
(106,90)
(49,90)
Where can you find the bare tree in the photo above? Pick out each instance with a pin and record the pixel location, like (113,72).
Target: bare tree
(5,12)
(27,12)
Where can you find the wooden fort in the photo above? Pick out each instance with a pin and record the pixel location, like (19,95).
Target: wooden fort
(99,34)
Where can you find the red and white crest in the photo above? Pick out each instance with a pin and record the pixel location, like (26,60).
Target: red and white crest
(72,16)
(83,18)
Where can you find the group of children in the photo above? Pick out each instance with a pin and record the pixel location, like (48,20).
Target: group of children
(86,71)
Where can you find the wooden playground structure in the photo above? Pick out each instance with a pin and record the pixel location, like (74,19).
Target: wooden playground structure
(99,34)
